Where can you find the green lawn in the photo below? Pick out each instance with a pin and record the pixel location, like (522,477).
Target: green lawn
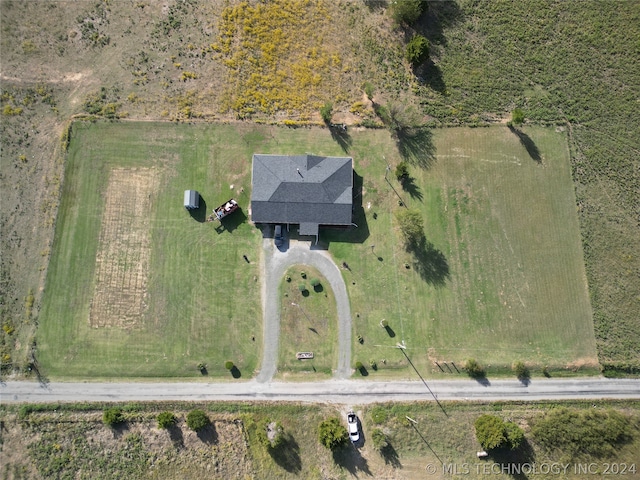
(504,280)
(307,324)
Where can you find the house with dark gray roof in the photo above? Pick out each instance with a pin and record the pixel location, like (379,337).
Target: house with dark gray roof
(307,190)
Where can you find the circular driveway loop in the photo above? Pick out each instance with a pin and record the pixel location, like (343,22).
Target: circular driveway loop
(276,263)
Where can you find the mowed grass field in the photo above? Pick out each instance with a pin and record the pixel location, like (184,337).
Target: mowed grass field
(504,279)
(512,285)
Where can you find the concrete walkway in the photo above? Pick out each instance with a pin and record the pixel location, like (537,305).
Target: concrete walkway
(275,263)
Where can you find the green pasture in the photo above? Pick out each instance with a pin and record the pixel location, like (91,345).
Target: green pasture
(503,279)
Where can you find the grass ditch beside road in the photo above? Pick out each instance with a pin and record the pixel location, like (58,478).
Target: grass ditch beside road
(71,439)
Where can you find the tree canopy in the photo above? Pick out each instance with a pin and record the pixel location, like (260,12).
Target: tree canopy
(332,434)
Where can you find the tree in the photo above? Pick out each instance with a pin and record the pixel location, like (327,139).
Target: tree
(517,116)
(271,434)
(514,434)
(332,434)
(379,439)
(228,365)
(197,420)
(407,12)
(326,112)
(493,433)
(402,171)
(166,420)
(412,227)
(417,50)
(490,431)
(112,417)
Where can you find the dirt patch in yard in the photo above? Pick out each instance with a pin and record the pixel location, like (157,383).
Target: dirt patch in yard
(122,261)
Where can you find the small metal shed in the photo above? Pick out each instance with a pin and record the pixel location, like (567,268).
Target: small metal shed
(191,199)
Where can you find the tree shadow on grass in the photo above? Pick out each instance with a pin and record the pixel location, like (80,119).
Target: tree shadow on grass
(235,372)
(416,147)
(509,459)
(430,263)
(287,455)
(175,434)
(318,288)
(527,143)
(390,456)
(350,459)
(208,434)
(341,136)
(409,186)
(363,371)
(390,331)
(430,74)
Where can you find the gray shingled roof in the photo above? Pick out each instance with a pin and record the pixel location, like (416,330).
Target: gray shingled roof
(302,189)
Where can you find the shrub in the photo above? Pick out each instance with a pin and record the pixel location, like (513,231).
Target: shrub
(228,365)
(417,50)
(492,433)
(582,433)
(326,112)
(521,370)
(378,415)
(517,116)
(112,417)
(197,420)
(379,439)
(358,365)
(402,170)
(406,12)
(474,369)
(302,287)
(166,420)
(384,323)
(332,434)
(315,282)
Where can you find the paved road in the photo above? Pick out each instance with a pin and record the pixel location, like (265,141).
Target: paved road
(275,263)
(349,392)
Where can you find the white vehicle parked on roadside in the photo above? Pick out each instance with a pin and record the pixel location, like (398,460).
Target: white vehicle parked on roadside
(352,424)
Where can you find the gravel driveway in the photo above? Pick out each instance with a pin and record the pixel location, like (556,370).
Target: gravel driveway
(275,263)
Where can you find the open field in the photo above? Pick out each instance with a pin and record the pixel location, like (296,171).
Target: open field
(56,441)
(491,213)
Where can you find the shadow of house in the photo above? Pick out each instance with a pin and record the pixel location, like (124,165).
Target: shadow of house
(430,263)
(199,214)
(350,459)
(527,143)
(358,231)
(341,136)
(287,455)
(415,146)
